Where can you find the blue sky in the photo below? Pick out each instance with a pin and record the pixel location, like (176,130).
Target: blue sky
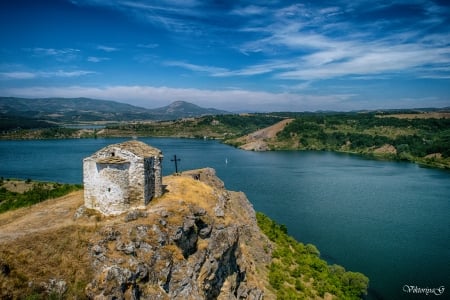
(233,55)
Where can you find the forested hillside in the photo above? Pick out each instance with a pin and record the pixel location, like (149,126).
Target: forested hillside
(424,140)
(218,127)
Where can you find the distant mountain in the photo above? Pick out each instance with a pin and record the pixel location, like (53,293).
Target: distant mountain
(182,109)
(89,110)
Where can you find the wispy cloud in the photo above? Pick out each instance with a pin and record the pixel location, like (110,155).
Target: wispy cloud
(17,75)
(96,59)
(61,55)
(61,73)
(107,48)
(148,46)
(250,10)
(321,44)
(44,74)
(196,68)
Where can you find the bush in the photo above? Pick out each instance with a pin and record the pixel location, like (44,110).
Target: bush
(294,264)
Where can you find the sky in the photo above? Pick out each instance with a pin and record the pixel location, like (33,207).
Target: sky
(243,55)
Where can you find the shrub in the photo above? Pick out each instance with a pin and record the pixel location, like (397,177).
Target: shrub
(294,264)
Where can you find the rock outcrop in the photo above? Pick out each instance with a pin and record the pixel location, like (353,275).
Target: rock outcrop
(198,241)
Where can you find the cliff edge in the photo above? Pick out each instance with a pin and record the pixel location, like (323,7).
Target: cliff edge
(197,241)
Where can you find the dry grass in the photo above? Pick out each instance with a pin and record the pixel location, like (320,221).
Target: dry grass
(185,190)
(53,213)
(430,115)
(35,259)
(390,131)
(44,242)
(22,186)
(17,186)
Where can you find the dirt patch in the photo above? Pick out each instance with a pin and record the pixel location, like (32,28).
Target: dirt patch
(385,149)
(434,156)
(50,214)
(257,141)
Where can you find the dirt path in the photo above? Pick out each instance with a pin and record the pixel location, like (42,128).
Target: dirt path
(256,141)
(50,214)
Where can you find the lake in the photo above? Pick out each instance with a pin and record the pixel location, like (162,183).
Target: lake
(388,220)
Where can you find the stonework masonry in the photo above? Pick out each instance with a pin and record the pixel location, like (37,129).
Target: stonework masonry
(121,177)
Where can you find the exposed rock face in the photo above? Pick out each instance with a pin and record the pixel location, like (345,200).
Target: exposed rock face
(198,241)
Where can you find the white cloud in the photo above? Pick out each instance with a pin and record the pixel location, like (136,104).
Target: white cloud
(107,48)
(61,73)
(17,75)
(196,68)
(320,44)
(42,74)
(250,10)
(96,59)
(61,55)
(148,46)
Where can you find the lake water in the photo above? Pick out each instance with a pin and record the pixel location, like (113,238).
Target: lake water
(389,220)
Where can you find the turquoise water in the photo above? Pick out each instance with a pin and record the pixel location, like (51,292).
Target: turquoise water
(388,220)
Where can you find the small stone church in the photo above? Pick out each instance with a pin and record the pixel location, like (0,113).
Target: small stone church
(122,176)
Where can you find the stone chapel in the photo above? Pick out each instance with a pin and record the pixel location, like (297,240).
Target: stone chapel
(122,176)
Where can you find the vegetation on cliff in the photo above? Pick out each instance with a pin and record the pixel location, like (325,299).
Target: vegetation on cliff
(297,272)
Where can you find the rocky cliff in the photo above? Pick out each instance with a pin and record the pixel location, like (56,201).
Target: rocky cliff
(197,241)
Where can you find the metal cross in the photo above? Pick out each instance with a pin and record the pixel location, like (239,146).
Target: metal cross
(176,160)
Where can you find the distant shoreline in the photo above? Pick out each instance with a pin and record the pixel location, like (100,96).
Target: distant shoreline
(443,164)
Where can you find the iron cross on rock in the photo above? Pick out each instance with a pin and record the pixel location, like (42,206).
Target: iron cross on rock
(176,160)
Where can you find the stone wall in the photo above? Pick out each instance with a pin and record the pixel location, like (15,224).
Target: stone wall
(117,180)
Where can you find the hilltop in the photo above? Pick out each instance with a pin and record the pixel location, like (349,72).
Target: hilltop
(197,241)
(183,109)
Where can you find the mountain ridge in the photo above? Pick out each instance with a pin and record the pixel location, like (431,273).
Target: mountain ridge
(67,110)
